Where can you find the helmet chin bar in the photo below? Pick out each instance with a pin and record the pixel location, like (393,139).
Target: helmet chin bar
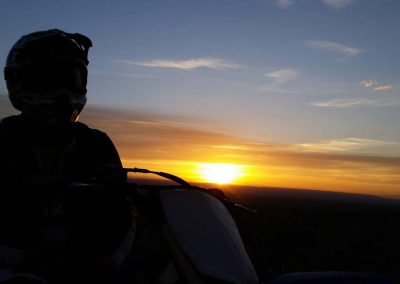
(53,108)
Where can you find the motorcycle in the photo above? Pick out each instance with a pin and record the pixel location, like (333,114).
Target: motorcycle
(205,244)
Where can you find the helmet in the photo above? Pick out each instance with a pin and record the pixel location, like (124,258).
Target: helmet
(46,74)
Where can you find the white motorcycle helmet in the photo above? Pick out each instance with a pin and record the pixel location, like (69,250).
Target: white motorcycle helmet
(46,75)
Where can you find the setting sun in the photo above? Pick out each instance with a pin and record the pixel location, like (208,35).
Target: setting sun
(220,173)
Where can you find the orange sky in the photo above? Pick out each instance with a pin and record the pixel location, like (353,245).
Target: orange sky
(179,146)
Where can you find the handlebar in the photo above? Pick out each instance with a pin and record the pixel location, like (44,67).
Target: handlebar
(66,183)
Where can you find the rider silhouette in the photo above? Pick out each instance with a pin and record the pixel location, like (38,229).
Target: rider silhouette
(88,231)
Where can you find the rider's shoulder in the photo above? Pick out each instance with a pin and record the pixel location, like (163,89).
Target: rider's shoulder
(91,134)
(9,124)
(85,129)
(10,120)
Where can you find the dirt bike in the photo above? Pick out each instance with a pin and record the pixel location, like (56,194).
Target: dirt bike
(203,240)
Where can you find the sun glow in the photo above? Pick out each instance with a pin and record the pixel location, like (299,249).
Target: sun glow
(220,173)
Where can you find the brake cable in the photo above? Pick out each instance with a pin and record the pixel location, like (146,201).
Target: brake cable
(212,191)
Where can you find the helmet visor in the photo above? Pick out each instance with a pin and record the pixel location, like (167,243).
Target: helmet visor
(49,76)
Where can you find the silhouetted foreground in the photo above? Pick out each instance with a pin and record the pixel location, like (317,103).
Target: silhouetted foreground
(300,230)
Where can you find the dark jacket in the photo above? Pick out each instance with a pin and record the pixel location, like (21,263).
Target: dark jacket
(94,223)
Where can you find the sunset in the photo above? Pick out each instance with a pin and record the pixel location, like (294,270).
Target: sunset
(275,102)
(220,173)
(299,107)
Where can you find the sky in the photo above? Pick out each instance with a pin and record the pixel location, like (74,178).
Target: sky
(297,93)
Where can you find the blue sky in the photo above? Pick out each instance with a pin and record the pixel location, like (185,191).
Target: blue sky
(317,74)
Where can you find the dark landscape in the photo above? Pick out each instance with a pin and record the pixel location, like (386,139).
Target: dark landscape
(303,230)
(299,230)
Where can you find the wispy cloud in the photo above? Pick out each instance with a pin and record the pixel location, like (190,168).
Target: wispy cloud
(148,136)
(368,83)
(282,75)
(175,145)
(383,88)
(376,86)
(337,3)
(336,48)
(356,103)
(285,3)
(211,63)
(276,80)
(342,145)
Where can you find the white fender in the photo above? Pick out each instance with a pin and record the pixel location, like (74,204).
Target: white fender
(208,235)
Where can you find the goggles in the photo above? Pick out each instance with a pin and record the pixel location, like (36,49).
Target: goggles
(49,76)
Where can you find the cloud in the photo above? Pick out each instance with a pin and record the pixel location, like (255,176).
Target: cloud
(177,144)
(148,135)
(282,75)
(335,48)
(211,63)
(368,83)
(285,3)
(343,145)
(383,88)
(372,83)
(337,3)
(356,103)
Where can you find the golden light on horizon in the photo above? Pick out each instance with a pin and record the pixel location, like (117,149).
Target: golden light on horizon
(220,173)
